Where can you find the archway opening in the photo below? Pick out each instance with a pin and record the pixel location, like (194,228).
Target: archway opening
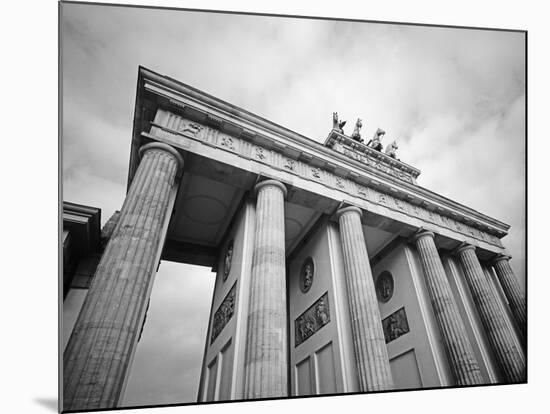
(167,361)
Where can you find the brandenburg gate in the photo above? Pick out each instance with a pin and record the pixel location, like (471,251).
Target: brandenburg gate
(335,271)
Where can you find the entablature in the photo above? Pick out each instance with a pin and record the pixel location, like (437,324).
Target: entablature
(176,110)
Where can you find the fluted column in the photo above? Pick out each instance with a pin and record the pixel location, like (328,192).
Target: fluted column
(266,342)
(459,351)
(514,293)
(371,354)
(97,357)
(509,357)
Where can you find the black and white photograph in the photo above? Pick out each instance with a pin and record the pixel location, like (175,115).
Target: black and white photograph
(264,206)
(228,206)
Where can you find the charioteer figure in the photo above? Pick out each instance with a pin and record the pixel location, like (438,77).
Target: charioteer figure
(376,141)
(356,135)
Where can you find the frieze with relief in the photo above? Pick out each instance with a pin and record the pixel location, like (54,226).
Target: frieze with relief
(223,314)
(313,319)
(395,325)
(187,128)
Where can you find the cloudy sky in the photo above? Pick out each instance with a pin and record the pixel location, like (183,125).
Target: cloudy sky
(454,99)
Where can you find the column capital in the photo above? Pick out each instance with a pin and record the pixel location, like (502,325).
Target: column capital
(463,247)
(499,257)
(348,209)
(274,183)
(160,145)
(422,233)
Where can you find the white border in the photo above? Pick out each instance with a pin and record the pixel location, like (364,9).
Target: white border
(29,210)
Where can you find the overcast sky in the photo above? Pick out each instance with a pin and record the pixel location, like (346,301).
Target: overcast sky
(454,99)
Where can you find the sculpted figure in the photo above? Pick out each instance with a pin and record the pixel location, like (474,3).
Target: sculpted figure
(227,262)
(356,135)
(305,327)
(321,312)
(308,276)
(395,330)
(376,141)
(391,149)
(337,125)
(385,290)
(302,328)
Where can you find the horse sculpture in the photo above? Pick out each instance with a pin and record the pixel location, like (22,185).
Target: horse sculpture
(391,149)
(356,135)
(337,125)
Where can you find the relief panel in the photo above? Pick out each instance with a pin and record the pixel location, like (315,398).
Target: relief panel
(395,325)
(313,319)
(224,313)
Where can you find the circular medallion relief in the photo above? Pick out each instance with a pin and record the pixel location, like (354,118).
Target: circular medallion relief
(227,260)
(384,286)
(306,275)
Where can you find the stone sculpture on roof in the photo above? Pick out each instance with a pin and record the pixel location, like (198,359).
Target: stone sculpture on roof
(336,124)
(376,141)
(356,135)
(391,149)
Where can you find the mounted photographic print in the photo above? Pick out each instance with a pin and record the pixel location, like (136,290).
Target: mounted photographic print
(258,206)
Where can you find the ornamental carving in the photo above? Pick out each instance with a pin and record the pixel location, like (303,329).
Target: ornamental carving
(192,128)
(399,204)
(260,154)
(395,325)
(313,319)
(290,164)
(223,314)
(227,260)
(306,275)
(227,142)
(384,286)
